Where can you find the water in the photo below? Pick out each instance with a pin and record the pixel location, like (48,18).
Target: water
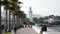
(2,23)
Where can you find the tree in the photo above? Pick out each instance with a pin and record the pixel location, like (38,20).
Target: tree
(10,10)
(40,20)
(20,14)
(0,18)
(13,8)
(8,5)
(5,3)
(35,19)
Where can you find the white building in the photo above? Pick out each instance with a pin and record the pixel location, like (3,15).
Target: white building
(30,14)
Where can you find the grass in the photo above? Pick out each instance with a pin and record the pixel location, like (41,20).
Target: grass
(6,33)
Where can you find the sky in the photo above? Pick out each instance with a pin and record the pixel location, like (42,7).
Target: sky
(41,7)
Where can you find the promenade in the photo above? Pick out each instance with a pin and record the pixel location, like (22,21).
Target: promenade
(25,31)
(35,30)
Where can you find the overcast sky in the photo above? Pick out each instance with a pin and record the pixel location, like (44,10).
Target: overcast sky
(42,7)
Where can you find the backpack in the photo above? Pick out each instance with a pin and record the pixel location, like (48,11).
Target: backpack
(14,25)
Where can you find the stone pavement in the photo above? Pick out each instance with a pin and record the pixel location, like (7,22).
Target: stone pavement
(25,31)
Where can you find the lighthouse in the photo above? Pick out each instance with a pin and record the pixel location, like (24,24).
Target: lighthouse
(30,14)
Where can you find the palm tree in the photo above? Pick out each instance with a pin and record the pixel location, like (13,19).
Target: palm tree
(11,10)
(14,7)
(13,15)
(19,14)
(22,16)
(9,21)
(5,3)
(7,7)
(0,17)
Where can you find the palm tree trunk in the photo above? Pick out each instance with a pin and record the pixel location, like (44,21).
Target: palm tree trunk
(6,21)
(0,18)
(13,20)
(9,22)
(17,22)
(20,20)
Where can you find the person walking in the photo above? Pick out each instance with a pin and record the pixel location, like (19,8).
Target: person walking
(15,28)
(43,29)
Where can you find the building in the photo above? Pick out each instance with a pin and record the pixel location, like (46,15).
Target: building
(30,14)
(53,19)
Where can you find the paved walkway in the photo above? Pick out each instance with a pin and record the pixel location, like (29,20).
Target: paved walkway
(49,30)
(25,31)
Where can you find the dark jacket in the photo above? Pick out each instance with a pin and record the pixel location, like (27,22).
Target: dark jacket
(15,26)
(44,28)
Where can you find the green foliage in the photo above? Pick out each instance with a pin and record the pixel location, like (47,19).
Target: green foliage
(40,20)
(21,14)
(35,19)
(6,32)
(13,1)
(27,19)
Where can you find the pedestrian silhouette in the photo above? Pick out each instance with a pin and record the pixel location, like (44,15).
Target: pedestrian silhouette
(15,28)
(43,29)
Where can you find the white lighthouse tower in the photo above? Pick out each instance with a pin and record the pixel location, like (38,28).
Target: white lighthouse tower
(30,14)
